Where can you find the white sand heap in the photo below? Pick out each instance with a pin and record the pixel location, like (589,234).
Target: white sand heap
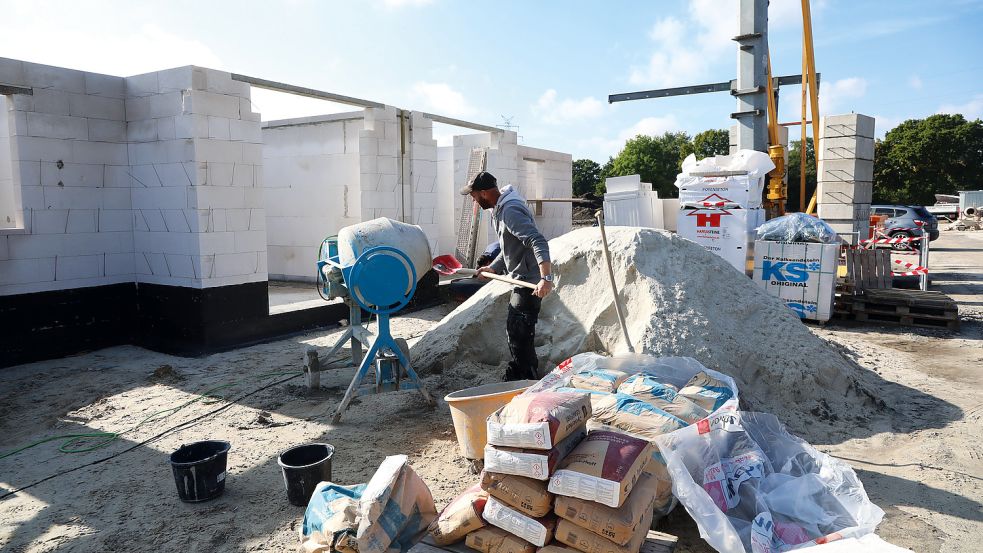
(680,299)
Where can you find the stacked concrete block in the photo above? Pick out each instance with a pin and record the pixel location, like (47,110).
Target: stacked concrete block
(227,176)
(378,147)
(548,174)
(61,152)
(424,198)
(311,185)
(846,173)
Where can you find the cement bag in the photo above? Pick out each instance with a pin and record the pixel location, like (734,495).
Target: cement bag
(635,416)
(561,375)
(675,371)
(589,542)
(706,391)
(531,463)
(395,509)
(526,495)
(601,380)
(538,421)
(495,540)
(752,487)
(460,517)
(617,525)
(603,468)
(664,396)
(331,518)
(554,548)
(537,531)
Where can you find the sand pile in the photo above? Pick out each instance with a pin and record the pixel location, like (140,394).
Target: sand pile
(680,300)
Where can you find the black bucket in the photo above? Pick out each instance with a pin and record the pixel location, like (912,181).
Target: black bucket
(304,466)
(199,470)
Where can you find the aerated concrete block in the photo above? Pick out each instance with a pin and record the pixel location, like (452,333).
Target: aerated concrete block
(845,170)
(96,107)
(846,147)
(845,192)
(46,76)
(104,130)
(57,126)
(843,211)
(851,124)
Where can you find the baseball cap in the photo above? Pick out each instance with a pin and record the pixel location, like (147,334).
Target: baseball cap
(482,181)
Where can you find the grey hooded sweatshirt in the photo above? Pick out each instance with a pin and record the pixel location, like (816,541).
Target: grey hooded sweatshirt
(523,246)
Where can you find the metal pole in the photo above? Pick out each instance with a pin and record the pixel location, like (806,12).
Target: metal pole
(752,59)
(923,261)
(614,286)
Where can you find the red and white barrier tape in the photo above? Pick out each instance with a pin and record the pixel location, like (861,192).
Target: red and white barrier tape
(892,240)
(913,269)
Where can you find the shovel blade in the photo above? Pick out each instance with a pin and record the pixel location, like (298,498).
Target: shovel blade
(446,264)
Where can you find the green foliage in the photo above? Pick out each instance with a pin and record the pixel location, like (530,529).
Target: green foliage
(607,170)
(714,142)
(656,158)
(794,157)
(586,176)
(919,158)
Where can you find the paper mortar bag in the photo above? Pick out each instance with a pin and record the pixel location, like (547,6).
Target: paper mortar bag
(526,495)
(603,468)
(615,524)
(588,542)
(537,531)
(538,421)
(495,540)
(531,463)
(461,516)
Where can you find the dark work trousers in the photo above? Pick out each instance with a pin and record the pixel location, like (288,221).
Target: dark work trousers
(521,329)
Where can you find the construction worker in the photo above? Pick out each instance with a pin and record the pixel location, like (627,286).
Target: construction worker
(525,254)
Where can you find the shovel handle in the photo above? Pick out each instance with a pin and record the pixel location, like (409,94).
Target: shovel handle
(474,272)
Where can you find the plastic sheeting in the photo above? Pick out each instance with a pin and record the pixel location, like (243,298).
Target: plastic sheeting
(797,227)
(752,487)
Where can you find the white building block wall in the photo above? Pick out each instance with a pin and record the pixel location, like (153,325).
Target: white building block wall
(448,200)
(378,147)
(69,163)
(162,173)
(548,174)
(227,214)
(425,198)
(311,169)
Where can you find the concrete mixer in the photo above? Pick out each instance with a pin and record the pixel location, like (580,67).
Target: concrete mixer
(373,266)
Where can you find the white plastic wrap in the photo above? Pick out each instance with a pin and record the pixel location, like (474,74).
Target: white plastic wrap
(797,227)
(732,191)
(752,487)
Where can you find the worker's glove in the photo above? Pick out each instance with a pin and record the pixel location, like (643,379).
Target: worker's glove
(543,289)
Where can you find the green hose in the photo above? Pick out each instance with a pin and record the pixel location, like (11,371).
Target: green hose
(81,443)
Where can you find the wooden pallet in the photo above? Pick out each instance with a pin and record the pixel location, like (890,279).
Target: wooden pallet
(902,307)
(655,542)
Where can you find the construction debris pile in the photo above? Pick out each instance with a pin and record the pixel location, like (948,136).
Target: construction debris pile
(681,300)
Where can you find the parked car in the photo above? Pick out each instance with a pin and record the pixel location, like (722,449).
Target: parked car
(907,221)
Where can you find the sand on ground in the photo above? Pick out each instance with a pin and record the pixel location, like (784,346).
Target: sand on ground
(926,472)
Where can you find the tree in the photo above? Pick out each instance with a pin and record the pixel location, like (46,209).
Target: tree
(607,170)
(794,156)
(919,158)
(586,176)
(658,159)
(714,142)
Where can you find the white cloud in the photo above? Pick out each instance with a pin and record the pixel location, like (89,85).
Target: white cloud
(599,148)
(973,109)
(915,82)
(440,98)
(132,52)
(550,110)
(836,95)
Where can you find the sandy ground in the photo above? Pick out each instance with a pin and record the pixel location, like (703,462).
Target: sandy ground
(925,473)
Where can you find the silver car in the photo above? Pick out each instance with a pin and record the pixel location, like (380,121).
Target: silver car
(907,221)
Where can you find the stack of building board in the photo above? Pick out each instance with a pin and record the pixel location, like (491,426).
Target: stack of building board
(846,173)
(629,202)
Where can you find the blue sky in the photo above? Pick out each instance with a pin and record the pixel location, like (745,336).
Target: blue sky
(548,66)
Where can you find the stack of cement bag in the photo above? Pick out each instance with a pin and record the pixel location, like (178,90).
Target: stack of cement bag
(510,509)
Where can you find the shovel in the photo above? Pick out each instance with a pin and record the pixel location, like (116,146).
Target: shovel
(449,265)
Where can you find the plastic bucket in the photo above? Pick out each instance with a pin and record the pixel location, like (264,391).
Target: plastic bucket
(199,470)
(304,466)
(470,408)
